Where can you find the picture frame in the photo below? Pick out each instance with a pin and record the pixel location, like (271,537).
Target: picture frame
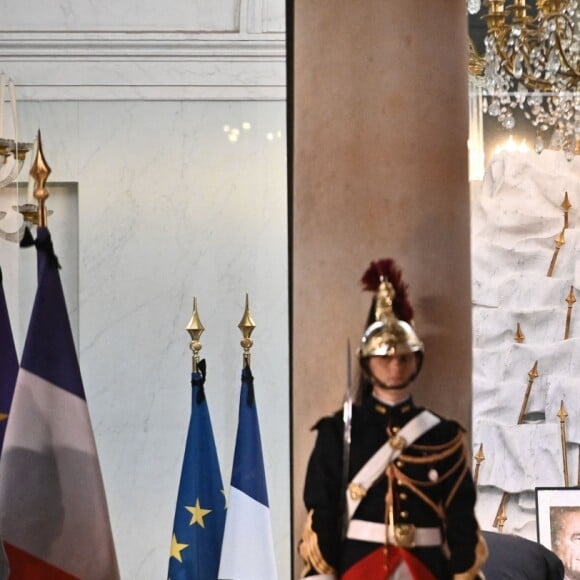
(551,504)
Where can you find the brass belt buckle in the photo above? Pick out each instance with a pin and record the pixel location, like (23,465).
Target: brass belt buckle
(405,535)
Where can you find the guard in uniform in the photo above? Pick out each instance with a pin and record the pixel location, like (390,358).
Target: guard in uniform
(388,490)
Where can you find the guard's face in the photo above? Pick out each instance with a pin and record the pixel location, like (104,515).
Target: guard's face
(393,370)
(569,548)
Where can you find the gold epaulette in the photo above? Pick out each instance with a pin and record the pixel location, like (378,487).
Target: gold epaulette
(310,551)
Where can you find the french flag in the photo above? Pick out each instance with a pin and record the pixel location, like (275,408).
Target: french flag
(8,363)
(248,549)
(53,512)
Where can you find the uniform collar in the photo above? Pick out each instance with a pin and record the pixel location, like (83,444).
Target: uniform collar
(403,408)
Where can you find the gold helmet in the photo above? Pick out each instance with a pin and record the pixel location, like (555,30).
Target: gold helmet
(389,328)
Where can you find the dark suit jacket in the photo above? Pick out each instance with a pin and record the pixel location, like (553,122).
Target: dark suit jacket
(515,558)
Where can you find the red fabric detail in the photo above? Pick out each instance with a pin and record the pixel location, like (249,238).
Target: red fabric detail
(25,566)
(376,566)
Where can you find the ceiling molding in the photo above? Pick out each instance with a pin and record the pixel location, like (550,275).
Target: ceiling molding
(145,65)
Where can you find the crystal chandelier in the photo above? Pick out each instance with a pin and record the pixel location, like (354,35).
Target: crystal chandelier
(12,151)
(532,63)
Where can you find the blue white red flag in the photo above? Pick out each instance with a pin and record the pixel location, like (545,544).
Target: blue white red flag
(200,512)
(248,548)
(8,363)
(53,511)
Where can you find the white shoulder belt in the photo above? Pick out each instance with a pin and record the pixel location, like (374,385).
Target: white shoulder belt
(377,464)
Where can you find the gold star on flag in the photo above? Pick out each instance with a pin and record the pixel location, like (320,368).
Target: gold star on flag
(197,514)
(177,548)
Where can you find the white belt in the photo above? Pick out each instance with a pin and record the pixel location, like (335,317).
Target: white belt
(377,532)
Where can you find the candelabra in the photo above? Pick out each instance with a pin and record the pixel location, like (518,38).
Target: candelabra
(12,151)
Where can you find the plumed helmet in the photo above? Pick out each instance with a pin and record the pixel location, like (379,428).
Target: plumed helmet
(390,326)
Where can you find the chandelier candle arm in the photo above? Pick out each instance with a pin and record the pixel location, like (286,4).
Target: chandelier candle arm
(562,415)
(2,82)
(14,115)
(195,329)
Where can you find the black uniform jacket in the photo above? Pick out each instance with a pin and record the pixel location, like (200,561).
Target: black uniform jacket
(436,491)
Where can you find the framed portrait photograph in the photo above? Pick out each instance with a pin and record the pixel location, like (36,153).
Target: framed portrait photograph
(558,522)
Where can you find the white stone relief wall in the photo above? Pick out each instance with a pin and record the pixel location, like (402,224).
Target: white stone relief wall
(515,220)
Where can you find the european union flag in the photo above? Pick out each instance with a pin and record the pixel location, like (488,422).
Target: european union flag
(200,514)
(8,363)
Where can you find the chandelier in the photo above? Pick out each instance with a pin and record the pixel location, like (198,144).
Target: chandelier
(532,63)
(12,151)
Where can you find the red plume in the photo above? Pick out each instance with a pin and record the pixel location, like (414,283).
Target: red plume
(391,272)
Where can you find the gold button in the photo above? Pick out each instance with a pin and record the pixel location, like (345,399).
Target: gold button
(399,482)
(403,496)
(395,429)
(404,514)
(399,463)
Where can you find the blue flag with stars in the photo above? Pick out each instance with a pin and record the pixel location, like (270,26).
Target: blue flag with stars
(200,513)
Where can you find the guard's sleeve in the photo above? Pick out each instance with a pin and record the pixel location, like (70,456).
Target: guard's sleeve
(320,543)
(467,547)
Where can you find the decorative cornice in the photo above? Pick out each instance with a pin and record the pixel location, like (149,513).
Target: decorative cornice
(23,46)
(60,65)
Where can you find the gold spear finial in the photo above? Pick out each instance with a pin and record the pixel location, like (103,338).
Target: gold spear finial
(195,329)
(501,520)
(519,336)
(571,299)
(247,326)
(566,205)
(532,376)
(39,172)
(559,241)
(479,459)
(562,414)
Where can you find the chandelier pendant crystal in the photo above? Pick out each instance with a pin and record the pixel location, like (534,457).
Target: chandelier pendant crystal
(532,63)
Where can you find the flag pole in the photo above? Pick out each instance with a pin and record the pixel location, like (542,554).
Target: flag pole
(40,171)
(195,329)
(247,326)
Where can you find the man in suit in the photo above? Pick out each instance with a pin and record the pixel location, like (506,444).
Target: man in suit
(565,534)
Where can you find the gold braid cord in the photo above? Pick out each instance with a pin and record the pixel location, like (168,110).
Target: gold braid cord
(310,551)
(442,452)
(481,554)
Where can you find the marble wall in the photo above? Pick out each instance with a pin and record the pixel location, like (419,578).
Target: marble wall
(169,208)
(170,130)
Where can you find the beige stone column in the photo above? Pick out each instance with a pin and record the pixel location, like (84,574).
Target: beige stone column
(380,170)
